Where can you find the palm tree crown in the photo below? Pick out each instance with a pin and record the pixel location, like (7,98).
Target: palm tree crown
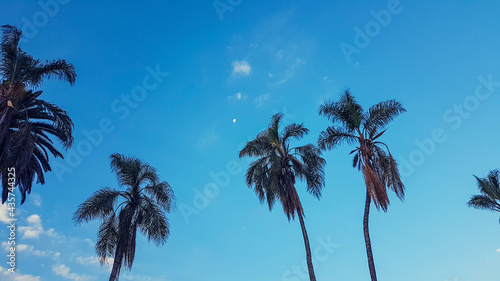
(490,193)
(142,205)
(354,126)
(25,120)
(273,174)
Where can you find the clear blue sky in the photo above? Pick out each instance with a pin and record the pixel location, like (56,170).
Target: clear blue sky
(246,63)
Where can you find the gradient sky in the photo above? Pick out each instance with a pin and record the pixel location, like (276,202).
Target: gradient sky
(247,61)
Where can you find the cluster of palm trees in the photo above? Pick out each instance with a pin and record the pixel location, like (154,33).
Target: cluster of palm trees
(273,175)
(28,124)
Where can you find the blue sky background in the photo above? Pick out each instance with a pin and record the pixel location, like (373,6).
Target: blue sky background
(248,63)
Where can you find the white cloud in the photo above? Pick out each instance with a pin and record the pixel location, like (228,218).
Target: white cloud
(64,271)
(24,247)
(239,96)
(241,67)
(34,219)
(3,214)
(9,276)
(19,247)
(260,100)
(35,228)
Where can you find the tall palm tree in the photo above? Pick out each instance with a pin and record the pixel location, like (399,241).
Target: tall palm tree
(25,120)
(352,125)
(490,193)
(141,206)
(273,174)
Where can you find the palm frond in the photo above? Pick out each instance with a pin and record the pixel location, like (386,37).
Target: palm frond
(107,238)
(489,186)
(312,170)
(335,136)
(9,52)
(381,114)
(154,224)
(260,146)
(484,202)
(295,131)
(59,69)
(99,205)
(162,194)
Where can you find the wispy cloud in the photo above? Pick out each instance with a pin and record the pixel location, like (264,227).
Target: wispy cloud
(241,68)
(239,96)
(287,116)
(36,200)
(9,276)
(30,249)
(134,277)
(87,240)
(209,138)
(279,46)
(260,100)
(95,261)
(64,271)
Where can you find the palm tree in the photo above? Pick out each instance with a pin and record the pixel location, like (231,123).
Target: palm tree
(490,189)
(141,206)
(273,174)
(352,125)
(25,120)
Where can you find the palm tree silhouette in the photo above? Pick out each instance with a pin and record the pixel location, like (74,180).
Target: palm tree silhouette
(354,126)
(141,206)
(273,174)
(26,122)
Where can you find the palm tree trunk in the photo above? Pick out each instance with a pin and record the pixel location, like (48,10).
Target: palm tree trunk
(312,277)
(117,264)
(369,253)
